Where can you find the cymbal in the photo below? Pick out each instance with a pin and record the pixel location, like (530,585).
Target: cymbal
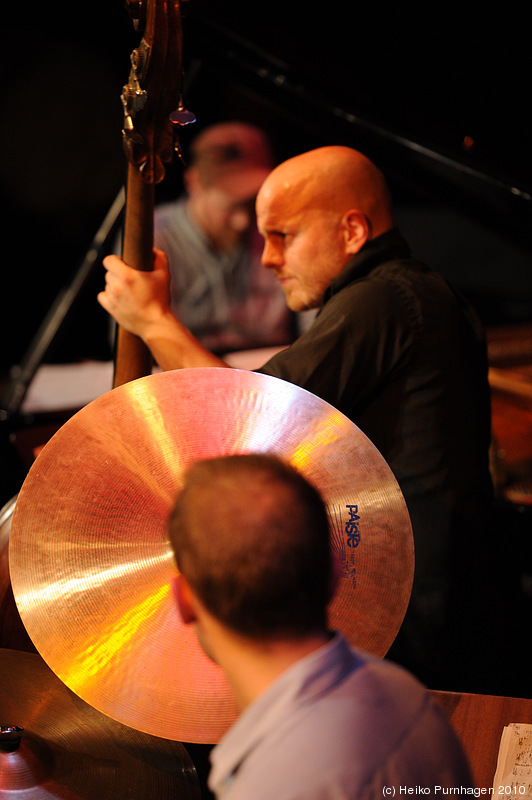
(67,749)
(91,563)
(12,632)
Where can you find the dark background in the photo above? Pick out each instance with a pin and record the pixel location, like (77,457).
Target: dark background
(407,89)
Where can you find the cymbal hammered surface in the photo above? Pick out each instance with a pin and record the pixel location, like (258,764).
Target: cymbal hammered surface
(91,564)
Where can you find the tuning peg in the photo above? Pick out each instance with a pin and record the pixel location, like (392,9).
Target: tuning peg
(182,116)
(133,96)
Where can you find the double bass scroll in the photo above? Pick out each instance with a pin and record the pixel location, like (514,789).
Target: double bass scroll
(152,107)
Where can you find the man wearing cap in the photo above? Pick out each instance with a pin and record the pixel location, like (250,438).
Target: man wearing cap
(218,288)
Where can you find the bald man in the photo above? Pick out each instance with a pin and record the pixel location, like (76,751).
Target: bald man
(395,349)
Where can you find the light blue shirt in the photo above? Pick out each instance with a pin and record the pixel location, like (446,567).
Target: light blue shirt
(339,724)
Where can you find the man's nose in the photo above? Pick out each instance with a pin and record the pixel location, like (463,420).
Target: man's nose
(271,256)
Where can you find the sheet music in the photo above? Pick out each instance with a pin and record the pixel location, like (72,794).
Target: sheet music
(513,776)
(61,387)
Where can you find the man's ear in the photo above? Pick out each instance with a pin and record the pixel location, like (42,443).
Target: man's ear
(184,599)
(356,229)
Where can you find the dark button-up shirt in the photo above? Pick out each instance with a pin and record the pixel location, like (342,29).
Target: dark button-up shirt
(402,354)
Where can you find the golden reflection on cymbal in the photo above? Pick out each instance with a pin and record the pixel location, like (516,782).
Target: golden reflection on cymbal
(90,560)
(146,408)
(88,665)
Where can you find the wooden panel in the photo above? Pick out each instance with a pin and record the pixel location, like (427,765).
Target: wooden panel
(479,721)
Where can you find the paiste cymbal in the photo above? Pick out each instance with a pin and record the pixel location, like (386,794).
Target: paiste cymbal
(69,750)
(91,564)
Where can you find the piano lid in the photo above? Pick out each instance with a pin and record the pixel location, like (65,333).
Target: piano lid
(429,99)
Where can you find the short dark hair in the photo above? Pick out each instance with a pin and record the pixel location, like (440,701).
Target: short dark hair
(251,536)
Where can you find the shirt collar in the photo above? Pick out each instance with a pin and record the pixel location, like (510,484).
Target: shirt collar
(386,247)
